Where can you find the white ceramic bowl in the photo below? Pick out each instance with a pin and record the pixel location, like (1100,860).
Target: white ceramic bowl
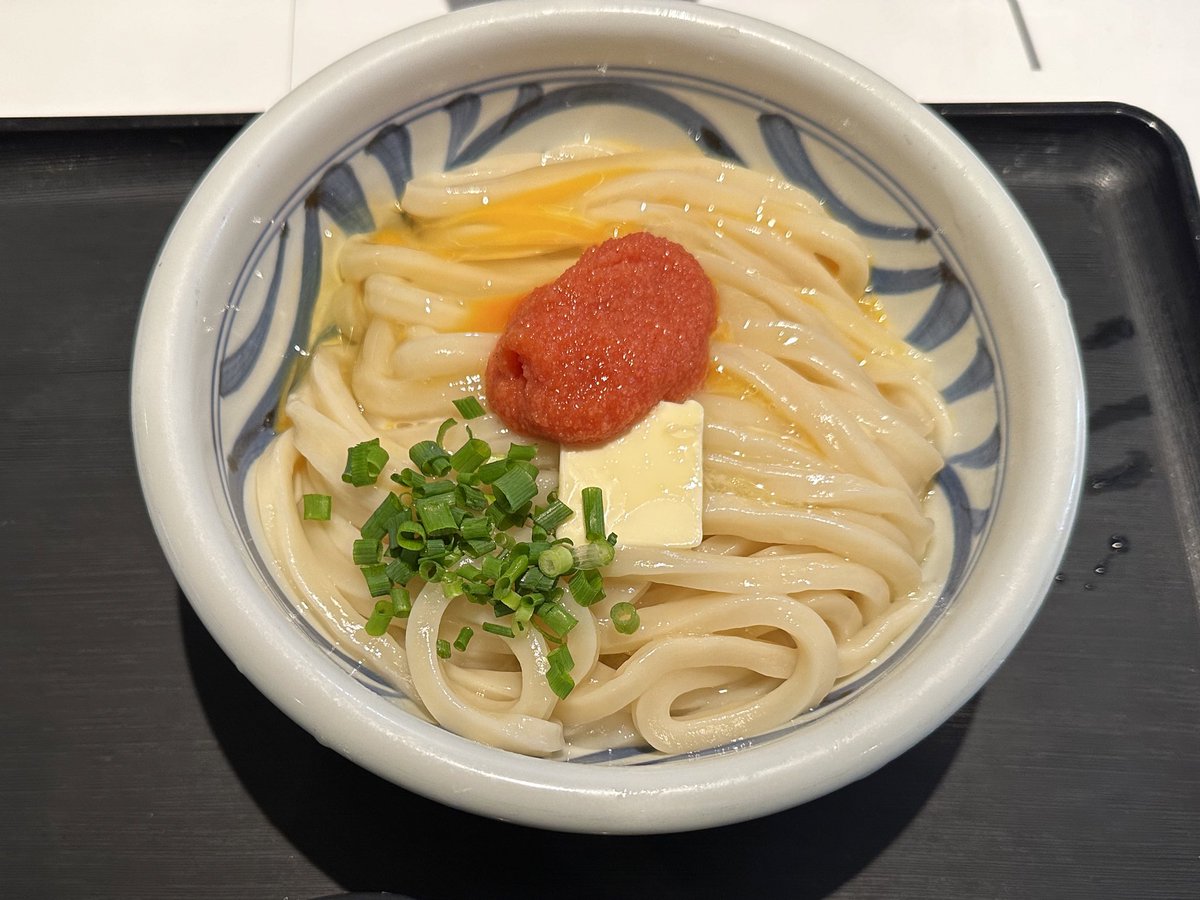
(964,277)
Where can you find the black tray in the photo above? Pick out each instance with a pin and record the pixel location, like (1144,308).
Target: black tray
(136,761)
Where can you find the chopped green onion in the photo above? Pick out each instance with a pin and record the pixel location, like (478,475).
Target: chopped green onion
(560,658)
(470,572)
(318,507)
(431,458)
(553,515)
(559,677)
(625,617)
(515,567)
(410,535)
(377,579)
(381,617)
(402,601)
(366,551)
(481,547)
(436,516)
(525,466)
(536,548)
(471,497)
(593,513)
(477,591)
(560,682)
(435,548)
(523,452)
(475,529)
(452,521)
(585,587)
(364,462)
(503,592)
(492,568)
(489,472)
(377,522)
(470,456)
(556,561)
(534,581)
(515,488)
(409,478)
(434,489)
(524,613)
(430,569)
(469,407)
(501,520)
(556,618)
(399,571)
(593,555)
(443,430)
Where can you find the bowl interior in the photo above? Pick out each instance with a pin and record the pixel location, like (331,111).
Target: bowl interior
(957,271)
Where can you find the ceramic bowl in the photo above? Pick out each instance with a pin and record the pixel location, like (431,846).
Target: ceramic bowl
(960,271)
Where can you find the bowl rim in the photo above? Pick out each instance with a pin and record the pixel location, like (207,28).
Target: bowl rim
(368,729)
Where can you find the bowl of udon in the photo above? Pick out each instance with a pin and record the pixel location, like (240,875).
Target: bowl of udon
(608,417)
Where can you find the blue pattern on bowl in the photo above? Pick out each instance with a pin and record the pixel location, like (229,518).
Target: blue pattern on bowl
(927,294)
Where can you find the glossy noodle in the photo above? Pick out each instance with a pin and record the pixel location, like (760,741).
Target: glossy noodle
(821,438)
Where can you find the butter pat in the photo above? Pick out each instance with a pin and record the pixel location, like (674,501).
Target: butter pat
(652,478)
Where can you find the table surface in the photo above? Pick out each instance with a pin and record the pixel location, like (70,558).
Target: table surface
(137,762)
(146,57)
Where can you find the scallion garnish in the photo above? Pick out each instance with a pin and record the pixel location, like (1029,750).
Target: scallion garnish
(400,571)
(430,458)
(410,535)
(523,614)
(521,452)
(515,488)
(377,522)
(560,682)
(556,561)
(443,431)
(469,407)
(489,472)
(586,587)
(593,513)
(556,618)
(434,489)
(381,617)
(430,569)
(318,507)
(625,617)
(470,456)
(402,602)
(377,579)
(560,658)
(437,517)
(367,551)
(535,581)
(553,515)
(593,555)
(364,462)
(449,522)
(559,677)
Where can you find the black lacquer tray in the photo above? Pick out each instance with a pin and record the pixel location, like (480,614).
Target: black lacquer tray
(136,762)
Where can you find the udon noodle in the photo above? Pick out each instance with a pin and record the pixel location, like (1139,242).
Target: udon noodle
(820,441)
